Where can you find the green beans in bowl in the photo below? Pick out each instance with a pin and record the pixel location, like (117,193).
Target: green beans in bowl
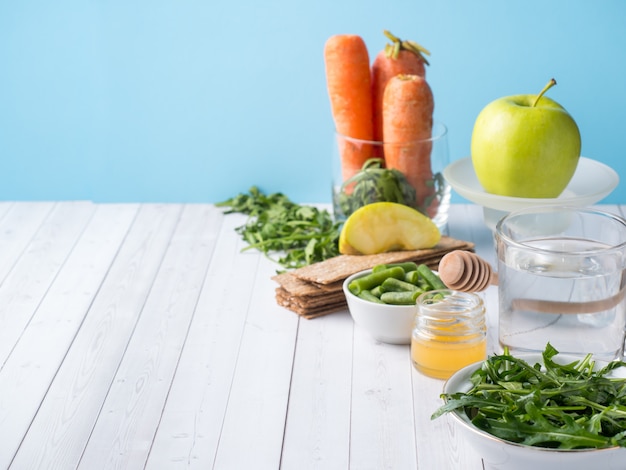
(382,299)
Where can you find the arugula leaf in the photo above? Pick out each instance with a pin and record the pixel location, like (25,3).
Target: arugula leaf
(292,235)
(570,406)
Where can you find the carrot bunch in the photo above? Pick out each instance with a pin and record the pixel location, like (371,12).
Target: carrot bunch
(386,101)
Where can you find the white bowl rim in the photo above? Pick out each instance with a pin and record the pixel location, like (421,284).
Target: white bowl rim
(458,417)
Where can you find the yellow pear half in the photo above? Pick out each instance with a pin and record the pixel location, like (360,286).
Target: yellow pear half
(386,226)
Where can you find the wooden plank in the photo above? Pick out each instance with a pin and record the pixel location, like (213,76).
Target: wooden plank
(257,405)
(317,434)
(60,430)
(439,445)
(130,415)
(20,221)
(33,363)
(27,282)
(383,434)
(190,428)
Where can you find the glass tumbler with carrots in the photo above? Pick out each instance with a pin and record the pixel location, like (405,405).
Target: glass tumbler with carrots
(387,146)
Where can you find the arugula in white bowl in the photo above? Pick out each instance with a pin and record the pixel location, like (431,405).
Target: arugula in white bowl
(549,403)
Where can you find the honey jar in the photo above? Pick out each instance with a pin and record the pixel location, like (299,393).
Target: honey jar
(449,332)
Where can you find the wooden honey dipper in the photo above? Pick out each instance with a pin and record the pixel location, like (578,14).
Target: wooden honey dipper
(466,272)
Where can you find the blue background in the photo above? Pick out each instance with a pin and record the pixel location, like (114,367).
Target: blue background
(195,101)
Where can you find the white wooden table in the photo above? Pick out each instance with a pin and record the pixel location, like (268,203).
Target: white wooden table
(139,336)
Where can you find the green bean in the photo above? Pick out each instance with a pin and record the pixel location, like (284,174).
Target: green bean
(400,298)
(412,276)
(374,279)
(392,284)
(431,278)
(406,266)
(380,267)
(367,295)
(377,291)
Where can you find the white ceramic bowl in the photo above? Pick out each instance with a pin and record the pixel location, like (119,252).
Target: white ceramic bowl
(386,323)
(500,454)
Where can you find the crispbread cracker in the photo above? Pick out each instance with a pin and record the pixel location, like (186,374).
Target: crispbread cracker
(308,301)
(340,267)
(300,287)
(296,286)
(311,312)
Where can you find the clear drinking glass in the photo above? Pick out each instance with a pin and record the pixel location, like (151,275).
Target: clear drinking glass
(415,178)
(561,274)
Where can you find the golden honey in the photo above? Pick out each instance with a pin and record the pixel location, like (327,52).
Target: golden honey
(449,332)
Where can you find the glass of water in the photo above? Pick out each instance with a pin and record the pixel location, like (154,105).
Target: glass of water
(562,280)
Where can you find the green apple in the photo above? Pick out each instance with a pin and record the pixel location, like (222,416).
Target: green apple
(525,146)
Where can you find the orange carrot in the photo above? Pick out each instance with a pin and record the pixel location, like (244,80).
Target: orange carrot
(408,106)
(399,57)
(349,89)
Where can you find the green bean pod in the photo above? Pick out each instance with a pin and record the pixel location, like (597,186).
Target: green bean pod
(431,278)
(391,284)
(377,291)
(400,298)
(412,276)
(367,295)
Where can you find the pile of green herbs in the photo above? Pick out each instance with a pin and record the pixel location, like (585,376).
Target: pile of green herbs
(570,406)
(291,234)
